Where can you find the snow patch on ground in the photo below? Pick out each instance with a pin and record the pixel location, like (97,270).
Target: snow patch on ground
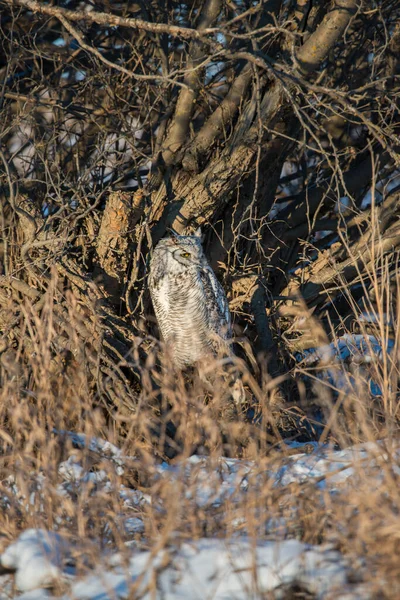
(357,350)
(208,568)
(37,558)
(236,567)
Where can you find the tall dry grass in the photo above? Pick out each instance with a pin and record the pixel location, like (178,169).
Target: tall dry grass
(47,388)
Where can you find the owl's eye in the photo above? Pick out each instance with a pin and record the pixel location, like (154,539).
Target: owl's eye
(185,254)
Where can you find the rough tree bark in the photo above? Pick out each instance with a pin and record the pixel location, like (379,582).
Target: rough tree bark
(250,120)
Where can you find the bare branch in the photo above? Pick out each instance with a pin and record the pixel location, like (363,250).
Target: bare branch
(335,22)
(110,19)
(354,181)
(186,102)
(79,38)
(219,121)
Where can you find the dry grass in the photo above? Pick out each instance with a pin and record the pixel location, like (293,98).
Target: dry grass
(46,390)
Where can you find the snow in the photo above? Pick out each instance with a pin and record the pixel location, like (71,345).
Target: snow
(238,566)
(357,350)
(208,568)
(357,347)
(37,558)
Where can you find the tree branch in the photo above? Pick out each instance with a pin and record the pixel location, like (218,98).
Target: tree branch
(305,205)
(219,121)
(79,38)
(333,25)
(207,192)
(109,19)
(186,101)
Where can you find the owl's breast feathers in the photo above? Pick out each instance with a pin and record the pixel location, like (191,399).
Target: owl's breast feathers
(192,312)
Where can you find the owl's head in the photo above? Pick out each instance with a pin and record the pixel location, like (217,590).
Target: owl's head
(180,252)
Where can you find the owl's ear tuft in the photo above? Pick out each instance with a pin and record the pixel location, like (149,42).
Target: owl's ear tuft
(198,233)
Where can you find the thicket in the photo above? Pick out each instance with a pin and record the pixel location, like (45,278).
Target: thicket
(272,125)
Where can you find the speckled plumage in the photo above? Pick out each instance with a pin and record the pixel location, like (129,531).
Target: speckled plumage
(190,305)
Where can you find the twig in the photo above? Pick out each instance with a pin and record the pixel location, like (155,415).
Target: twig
(109,19)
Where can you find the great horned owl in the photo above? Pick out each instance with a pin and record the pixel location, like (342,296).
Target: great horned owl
(190,305)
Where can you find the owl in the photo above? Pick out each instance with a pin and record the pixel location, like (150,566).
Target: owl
(190,305)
